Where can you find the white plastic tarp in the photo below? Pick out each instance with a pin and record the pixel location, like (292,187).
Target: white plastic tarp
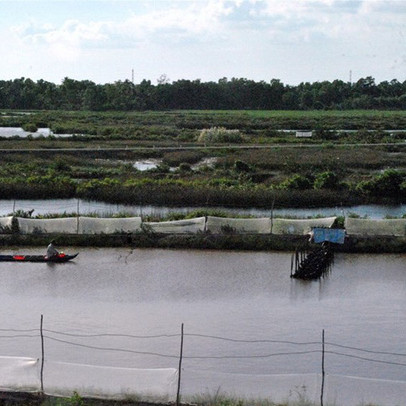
(62,379)
(195,225)
(5,222)
(388,227)
(20,374)
(300,227)
(96,225)
(66,225)
(221,225)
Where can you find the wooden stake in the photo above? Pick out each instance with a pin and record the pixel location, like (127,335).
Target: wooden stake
(180,367)
(322,370)
(77,218)
(42,355)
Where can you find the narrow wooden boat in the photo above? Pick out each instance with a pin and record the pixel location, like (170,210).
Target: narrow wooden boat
(37,258)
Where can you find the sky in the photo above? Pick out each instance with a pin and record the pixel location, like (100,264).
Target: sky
(293,41)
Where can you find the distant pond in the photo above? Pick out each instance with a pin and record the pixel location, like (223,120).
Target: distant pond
(10,132)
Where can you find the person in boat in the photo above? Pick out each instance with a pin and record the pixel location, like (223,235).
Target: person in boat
(51,250)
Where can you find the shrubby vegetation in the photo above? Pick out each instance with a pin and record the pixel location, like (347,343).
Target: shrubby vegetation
(215,135)
(329,169)
(254,179)
(255,126)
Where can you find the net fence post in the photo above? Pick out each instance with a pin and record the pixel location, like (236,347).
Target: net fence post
(322,368)
(180,367)
(42,354)
(77,217)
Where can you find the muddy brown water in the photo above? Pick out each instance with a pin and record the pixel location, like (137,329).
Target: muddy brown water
(240,296)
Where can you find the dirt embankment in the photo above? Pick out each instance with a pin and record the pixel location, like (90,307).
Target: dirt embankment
(252,242)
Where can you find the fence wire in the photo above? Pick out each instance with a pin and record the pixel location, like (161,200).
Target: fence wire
(52,335)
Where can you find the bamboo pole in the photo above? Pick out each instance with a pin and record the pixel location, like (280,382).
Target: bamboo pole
(42,354)
(291,264)
(180,367)
(77,217)
(322,369)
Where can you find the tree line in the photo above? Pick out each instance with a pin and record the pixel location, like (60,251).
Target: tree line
(225,94)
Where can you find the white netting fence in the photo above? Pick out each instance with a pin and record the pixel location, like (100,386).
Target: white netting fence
(21,374)
(279,388)
(340,390)
(210,224)
(95,225)
(221,225)
(300,227)
(5,223)
(352,390)
(190,226)
(79,225)
(163,384)
(67,225)
(152,385)
(368,227)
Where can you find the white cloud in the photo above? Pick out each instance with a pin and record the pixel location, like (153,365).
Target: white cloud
(186,20)
(335,19)
(64,42)
(260,39)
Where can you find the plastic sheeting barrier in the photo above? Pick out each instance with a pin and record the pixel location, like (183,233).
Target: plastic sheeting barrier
(220,225)
(62,379)
(300,227)
(66,225)
(387,227)
(215,225)
(79,225)
(6,222)
(20,374)
(96,225)
(195,225)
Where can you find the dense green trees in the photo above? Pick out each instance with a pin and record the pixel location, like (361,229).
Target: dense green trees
(233,94)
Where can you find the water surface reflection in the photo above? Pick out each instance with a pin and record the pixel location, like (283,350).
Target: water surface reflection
(241,295)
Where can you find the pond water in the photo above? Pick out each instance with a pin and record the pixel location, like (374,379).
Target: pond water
(18,131)
(9,132)
(272,323)
(84,207)
(147,164)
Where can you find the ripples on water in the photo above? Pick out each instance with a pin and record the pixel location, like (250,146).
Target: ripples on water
(362,303)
